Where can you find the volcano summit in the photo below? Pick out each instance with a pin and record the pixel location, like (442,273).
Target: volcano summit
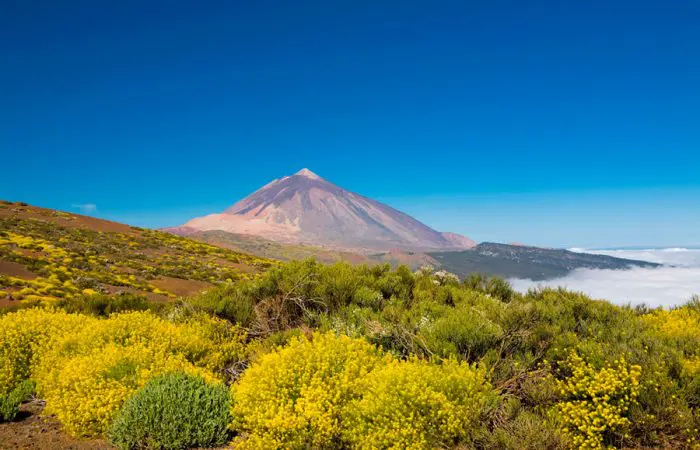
(305,208)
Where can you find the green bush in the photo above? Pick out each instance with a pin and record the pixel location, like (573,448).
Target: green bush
(230,301)
(104,305)
(173,411)
(494,286)
(464,332)
(528,431)
(10,403)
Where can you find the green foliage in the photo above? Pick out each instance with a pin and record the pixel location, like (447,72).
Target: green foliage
(526,430)
(228,301)
(173,411)
(463,331)
(494,286)
(10,403)
(104,305)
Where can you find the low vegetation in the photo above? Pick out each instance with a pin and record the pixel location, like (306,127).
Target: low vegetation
(319,356)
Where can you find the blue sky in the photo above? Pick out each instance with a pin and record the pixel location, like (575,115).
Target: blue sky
(551,123)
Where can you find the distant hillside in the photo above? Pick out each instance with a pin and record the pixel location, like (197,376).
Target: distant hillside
(518,261)
(305,208)
(46,255)
(276,250)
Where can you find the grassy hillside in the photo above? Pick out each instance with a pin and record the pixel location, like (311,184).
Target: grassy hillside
(46,255)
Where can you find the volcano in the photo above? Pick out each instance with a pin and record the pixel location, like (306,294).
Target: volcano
(305,208)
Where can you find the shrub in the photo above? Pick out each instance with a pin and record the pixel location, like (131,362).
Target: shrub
(596,402)
(85,391)
(10,403)
(24,339)
(104,305)
(229,301)
(494,286)
(293,398)
(87,375)
(462,332)
(419,405)
(173,411)
(528,431)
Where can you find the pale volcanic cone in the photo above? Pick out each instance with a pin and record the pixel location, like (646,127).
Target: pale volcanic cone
(305,208)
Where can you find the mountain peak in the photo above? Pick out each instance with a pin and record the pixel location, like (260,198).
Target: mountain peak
(307,174)
(305,208)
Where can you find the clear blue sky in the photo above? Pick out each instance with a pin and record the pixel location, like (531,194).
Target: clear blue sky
(553,123)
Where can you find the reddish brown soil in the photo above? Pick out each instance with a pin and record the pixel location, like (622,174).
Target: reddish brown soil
(180,287)
(14,269)
(31,430)
(67,220)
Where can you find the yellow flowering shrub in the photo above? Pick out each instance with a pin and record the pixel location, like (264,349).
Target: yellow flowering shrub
(418,405)
(292,398)
(596,402)
(88,375)
(86,367)
(24,337)
(204,341)
(85,391)
(682,327)
(679,323)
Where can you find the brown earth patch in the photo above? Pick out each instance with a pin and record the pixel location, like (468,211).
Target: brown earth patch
(7,302)
(32,430)
(149,295)
(68,220)
(180,287)
(14,269)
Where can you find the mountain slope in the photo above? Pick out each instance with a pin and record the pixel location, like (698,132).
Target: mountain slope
(46,255)
(266,248)
(519,261)
(305,208)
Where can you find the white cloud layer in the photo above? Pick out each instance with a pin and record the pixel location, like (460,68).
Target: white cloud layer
(681,257)
(663,286)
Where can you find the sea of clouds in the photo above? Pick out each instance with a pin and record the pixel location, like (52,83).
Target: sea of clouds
(672,284)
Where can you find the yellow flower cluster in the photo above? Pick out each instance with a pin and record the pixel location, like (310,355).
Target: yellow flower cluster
(63,257)
(418,405)
(678,323)
(24,338)
(292,398)
(691,366)
(85,367)
(682,327)
(85,391)
(597,401)
(338,391)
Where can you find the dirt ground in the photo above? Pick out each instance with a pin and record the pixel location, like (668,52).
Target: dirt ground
(32,430)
